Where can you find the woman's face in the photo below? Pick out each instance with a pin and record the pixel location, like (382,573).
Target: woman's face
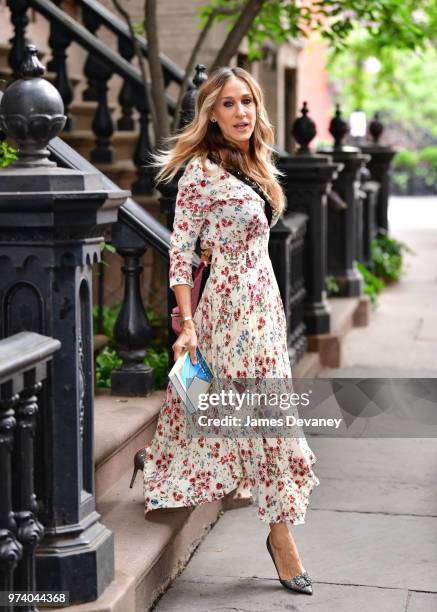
(235,112)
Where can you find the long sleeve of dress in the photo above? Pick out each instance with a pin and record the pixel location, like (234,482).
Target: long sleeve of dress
(192,205)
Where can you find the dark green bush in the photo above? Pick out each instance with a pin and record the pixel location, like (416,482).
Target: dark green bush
(157,352)
(7,154)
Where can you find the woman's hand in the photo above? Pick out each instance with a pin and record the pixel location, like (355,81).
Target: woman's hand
(187,340)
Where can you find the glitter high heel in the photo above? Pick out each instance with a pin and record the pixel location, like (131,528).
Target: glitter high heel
(138,464)
(301,583)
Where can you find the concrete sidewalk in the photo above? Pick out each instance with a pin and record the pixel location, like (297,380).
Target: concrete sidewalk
(370,538)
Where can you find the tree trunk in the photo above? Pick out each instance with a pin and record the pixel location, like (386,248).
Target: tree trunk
(156,75)
(238,32)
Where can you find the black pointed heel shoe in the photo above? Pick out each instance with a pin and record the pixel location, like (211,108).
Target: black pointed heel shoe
(138,464)
(301,583)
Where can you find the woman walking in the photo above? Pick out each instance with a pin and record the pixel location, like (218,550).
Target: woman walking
(229,197)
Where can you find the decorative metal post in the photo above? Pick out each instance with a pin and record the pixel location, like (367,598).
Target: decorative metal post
(143,185)
(29,529)
(126,95)
(306,183)
(132,330)
(11,550)
(286,252)
(189,100)
(51,223)
(23,365)
(20,21)
(379,167)
(342,220)
(59,40)
(369,195)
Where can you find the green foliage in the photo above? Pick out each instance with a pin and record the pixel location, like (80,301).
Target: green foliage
(402,90)
(428,155)
(7,154)
(331,284)
(106,361)
(159,361)
(110,314)
(387,265)
(372,284)
(387,257)
(400,24)
(406,158)
(422,165)
(157,352)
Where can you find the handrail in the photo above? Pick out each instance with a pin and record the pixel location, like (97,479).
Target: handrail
(23,351)
(156,235)
(172,72)
(90,42)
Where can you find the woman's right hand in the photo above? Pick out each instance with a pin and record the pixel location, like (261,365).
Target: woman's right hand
(187,340)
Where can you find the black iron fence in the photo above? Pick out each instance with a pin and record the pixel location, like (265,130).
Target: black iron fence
(24,361)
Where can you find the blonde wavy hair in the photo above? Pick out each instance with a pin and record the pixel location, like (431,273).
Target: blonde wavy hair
(202,138)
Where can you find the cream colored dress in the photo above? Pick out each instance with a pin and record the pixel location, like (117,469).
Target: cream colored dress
(242,334)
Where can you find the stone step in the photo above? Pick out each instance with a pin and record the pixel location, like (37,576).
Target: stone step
(345,314)
(83,141)
(6,74)
(123,172)
(4,52)
(122,426)
(83,114)
(308,366)
(148,553)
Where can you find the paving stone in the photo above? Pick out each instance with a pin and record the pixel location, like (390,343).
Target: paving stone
(422,602)
(254,595)
(335,547)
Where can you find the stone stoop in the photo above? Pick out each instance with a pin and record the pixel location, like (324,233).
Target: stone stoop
(84,111)
(149,553)
(345,314)
(84,141)
(122,426)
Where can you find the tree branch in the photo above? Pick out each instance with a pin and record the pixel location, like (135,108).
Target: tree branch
(238,32)
(193,57)
(156,74)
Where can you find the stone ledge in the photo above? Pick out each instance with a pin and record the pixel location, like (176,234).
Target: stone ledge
(122,426)
(149,553)
(345,314)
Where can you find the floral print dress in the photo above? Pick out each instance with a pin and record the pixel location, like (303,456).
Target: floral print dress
(241,331)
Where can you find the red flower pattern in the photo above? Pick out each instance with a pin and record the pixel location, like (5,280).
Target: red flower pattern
(242,334)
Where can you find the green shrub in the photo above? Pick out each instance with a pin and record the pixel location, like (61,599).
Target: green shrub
(331,285)
(160,362)
(7,154)
(157,352)
(387,257)
(406,158)
(401,180)
(110,314)
(372,284)
(428,156)
(106,361)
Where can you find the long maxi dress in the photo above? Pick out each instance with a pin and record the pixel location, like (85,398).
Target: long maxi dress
(241,328)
